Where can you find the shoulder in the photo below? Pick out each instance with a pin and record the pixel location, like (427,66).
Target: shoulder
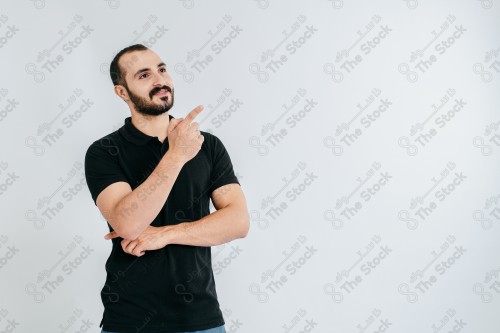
(211,139)
(212,142)
(208,136)
(107,145)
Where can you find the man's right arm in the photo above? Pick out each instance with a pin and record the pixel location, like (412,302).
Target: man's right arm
(131,212)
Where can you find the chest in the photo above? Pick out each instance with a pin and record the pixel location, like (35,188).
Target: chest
(192,184)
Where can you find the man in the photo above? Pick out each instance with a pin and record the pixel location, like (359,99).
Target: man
(152,180)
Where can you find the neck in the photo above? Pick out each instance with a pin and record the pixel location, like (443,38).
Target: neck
(151,125)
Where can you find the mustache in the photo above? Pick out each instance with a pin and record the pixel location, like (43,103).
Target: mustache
(157,89)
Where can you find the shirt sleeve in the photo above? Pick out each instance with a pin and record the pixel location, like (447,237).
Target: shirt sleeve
(101,167)
(222,168)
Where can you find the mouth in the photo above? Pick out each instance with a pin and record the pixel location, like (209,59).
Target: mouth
(162,92)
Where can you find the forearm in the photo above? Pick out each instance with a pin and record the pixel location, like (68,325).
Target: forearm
(221,226)
(139,208)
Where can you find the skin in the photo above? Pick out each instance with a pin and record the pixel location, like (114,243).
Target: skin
(142,83)
(230,220)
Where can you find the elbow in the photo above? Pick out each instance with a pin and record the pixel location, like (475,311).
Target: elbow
(245,227)
(118,222)
(123,227)
(127,234)
(130,233)
(124,230)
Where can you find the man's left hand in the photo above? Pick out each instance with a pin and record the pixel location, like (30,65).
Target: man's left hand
(152,238)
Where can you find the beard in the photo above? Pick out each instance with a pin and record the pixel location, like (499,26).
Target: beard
(147,106)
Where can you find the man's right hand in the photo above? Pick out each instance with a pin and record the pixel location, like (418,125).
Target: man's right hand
(184,138)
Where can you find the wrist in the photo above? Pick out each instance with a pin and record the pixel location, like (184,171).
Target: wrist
(174,159)
(167,234)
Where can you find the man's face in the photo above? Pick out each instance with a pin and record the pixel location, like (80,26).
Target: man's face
(149,85)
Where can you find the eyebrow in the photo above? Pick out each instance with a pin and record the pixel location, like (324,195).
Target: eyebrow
(147,69)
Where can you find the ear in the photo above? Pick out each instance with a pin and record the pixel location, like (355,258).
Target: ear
(121,92)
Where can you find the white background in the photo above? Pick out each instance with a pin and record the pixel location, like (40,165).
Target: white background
(405,99)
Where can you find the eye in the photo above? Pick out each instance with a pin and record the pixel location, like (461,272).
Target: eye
(143,75)
(163,69)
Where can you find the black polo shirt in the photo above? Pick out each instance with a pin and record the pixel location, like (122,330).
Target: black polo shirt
(171,289)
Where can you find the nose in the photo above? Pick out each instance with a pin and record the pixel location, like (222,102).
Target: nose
(159,80)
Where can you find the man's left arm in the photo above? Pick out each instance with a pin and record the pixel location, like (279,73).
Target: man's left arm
(228,222)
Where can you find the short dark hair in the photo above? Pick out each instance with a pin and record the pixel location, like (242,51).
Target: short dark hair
(114,69)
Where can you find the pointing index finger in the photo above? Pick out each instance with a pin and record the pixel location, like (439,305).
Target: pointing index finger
(191,115)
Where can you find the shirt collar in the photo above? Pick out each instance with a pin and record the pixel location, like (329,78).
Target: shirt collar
(132,134)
